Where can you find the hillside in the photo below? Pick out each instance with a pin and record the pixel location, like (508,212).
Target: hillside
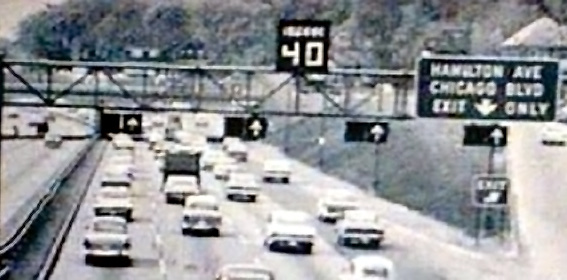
(424,165)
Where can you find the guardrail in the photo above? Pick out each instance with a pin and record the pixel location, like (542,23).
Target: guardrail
(40,200)
(35,137)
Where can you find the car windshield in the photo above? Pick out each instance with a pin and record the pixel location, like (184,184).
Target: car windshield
(362,231)
(202,205)
(375,271)
(110,227)
(114,194)
(115,183)
(340,207)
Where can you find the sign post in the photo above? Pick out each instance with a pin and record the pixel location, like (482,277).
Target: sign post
(302,47)
(486,88)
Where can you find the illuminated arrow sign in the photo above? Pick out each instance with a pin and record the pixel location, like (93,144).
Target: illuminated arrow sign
(132,123)
(485,135)
(487,88)
(490,191)
(377,131)
(497,135)
(256,128)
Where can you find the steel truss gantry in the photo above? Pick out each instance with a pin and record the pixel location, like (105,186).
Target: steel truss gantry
(50,91)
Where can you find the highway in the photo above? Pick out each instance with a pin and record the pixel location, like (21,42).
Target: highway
(27,165)
(161,252)
(538,179)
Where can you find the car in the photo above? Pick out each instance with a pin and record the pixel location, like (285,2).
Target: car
(114,201)
(277,170)
(107,238)
(211,157)
(238,151)
(242,186)
(201,215)
(244,271)
(227,141)
(154,138)
(122,141)
(120,165)
(178,187)
(53,141)
(360,215)
(289,229)
(331,206)
(222,170)
(356,233)
(116,180)
(371,267)
(554,134)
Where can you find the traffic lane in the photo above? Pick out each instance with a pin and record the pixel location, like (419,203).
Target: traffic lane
(401,243)
(189,257)
(26,173)
(241,241)
(248,221)
(145,259)
(538,179)
(409,265)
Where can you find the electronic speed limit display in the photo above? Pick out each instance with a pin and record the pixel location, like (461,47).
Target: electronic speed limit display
(303,46)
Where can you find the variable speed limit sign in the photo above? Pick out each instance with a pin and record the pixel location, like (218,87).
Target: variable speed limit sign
(303,46)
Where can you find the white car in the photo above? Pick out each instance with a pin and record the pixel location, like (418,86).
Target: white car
(290,229)
(238,150)
(201,214)
(178,187)
(242,186)
(360,215)
(277,170)
(53,141)
(227,141)
(120,166)
(244,271)
(367,234)
(332,206)
(114,201)
(211,157)
(116,180)
(107,238)
(154,138)
(369,267)
(222,170)
(554,134)
(122,142)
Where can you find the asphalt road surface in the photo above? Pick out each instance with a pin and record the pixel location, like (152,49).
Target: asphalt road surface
(538,179)
(27,165)
(160,251)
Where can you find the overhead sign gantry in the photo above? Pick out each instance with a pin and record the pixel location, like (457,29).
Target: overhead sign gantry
(487,88)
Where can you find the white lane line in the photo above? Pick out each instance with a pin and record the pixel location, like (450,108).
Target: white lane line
(163,268)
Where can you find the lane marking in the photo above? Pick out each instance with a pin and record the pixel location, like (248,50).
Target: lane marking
(162,268)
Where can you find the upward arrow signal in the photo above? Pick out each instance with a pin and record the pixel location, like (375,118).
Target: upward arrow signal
(256,128)
(497,135)
(132,123)
(377,131)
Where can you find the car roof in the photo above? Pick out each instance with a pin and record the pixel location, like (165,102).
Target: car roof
(245,266)
(202,198)
(114,219)
(290,213)
(373,260)
(113,189)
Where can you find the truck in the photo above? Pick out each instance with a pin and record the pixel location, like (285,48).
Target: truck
(182,163)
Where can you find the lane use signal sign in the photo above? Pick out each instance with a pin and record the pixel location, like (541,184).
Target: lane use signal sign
(485,135)
(490,191)
(487,88)
(303,46)
(372,132)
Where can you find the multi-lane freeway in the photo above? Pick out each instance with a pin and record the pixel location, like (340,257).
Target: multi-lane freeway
(160,251)
(28,164)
